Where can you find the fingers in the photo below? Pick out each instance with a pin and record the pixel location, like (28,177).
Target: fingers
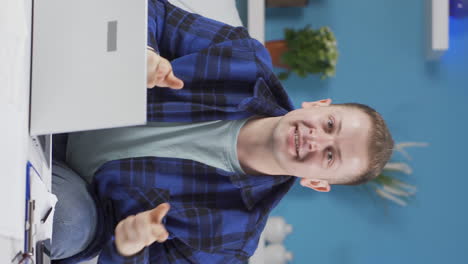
(174,82)
(152,62)
(161,75)
(156,230)
(142,230)
(165,76)
(128,238)
(157,214)
(128,229)
(159,233)
(138,231)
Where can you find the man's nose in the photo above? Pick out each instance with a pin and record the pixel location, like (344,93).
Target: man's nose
(318,141)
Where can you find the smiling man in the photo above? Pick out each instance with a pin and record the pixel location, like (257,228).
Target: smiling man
(221,148)
(320,143)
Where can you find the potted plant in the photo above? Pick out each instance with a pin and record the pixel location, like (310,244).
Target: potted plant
(392,187)
(305,51)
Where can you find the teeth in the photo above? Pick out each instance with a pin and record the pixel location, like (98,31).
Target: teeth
(296,139)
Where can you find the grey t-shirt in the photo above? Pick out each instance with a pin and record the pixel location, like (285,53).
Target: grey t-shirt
(213,143)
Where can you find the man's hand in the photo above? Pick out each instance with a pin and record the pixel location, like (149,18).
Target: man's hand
(138,231)
(160,72)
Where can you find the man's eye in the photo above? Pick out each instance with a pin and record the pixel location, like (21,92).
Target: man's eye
(330,124)
(329,156)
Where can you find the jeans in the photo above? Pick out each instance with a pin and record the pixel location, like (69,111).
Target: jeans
(75,217)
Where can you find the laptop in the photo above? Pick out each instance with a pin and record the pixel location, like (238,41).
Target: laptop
(88,68)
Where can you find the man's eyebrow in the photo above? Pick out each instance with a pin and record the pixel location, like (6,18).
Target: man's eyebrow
(339,126)
(337,133)
(339,155)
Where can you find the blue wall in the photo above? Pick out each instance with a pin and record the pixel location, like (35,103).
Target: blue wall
(382,63)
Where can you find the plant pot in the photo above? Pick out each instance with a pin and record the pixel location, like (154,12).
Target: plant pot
(286,3)
(277,48)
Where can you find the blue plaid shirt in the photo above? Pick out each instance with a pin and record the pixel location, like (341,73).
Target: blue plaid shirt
(216,216)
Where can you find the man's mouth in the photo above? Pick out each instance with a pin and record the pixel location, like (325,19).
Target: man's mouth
(296,140)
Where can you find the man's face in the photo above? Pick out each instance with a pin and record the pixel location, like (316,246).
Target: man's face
(322,143)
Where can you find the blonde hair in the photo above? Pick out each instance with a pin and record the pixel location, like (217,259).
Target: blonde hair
(380,145)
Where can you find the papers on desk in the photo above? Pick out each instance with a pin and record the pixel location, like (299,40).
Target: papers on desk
(40,204)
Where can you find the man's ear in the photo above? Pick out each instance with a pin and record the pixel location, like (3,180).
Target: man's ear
(318,185)
(323,102)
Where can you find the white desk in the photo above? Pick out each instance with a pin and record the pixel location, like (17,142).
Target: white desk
(16,146)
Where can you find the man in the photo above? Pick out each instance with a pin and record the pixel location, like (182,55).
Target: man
(221,148)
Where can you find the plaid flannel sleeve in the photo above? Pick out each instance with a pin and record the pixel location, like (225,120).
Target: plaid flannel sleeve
(167,253)
(173,250)
(174,32)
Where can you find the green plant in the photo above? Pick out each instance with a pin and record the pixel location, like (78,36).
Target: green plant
(310,51)
(392,187)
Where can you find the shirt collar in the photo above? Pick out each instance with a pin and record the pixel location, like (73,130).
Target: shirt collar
(267,101)
(255,188)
